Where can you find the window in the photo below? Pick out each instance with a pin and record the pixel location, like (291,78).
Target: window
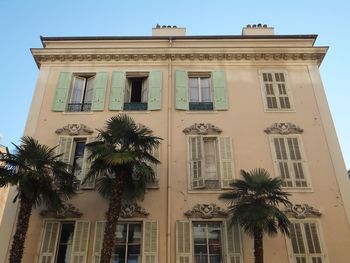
(210,162)
(289,161)
(200,95)
(81,94)
(305,243)
(64,241)
(156,167)
(207,242)
(136,91)
(134,240)
(276,93)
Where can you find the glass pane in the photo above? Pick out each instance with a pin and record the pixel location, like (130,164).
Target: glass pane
(194,90)
(205,88)
(121,233)
(133,253)
(119,254)
(65,243)
(134,233)
(78,90)
(89,90)
(214,241)
(210,159)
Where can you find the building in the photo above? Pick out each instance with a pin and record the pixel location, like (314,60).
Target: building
(3,191)
(221,104)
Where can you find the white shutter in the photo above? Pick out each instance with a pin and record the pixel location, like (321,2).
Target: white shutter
(297,162)
(226,162)
(150,242)
(281,91)
(89,184)
(233,244)
(155,167)
(281,160)
(80,242)
(65,147)
(196,162)
(49,242)
(269,91)
(183,242)
(99,232)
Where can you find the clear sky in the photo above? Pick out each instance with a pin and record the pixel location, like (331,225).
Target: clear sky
(23,21)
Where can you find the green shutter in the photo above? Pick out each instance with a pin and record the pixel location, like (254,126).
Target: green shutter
(65,148)
(183,242)
(155,90)
(100,85)
(80,242)
(117,90)
(62,91)
(150,242)
(99,232)
(49,241)
(220,91)
(181,90)
(196,161)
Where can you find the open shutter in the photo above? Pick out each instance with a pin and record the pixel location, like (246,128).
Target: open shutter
(155,90)
(65,147)
(49,242)
(88,184)
(156,154)
(220,91)
(99,232)
(116,96)
(196,162)
(233,239)
(80,242)
(183,242)
(181,90)
(150,242)
(62,91)
(226,162)
(100,86)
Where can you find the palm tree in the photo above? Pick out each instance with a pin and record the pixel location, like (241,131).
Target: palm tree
(40,177)
(253,204)
(120,158)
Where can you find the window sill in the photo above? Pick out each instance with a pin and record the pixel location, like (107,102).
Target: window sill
(206,191)
(298,190)
(78,112)
(279,110)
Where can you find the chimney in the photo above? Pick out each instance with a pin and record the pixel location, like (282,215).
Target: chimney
(168,31)
(257,30)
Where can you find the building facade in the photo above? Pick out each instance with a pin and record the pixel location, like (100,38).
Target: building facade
(221,104)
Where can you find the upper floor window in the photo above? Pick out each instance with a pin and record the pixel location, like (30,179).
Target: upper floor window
(136,91)
(81,94)
(200,94)
(275,91)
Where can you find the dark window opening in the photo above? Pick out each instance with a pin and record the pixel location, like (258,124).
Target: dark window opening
(65,243)
(136,89)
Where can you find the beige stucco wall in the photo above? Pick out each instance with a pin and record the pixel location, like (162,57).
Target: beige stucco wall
(244,121)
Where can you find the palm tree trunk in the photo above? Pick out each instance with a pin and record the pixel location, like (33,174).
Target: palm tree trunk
(25,210)
(112,216)
(258,246)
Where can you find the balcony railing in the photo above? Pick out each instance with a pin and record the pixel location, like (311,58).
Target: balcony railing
(136,106)
(77,107)
(201,106)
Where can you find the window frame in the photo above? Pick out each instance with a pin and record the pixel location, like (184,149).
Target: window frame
(275,88)
(200,105)
(143,104)
(156,153)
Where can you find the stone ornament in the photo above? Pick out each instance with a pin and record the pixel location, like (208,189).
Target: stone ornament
(301,211)
(132,210)
(206,211)
(67,211)
(283,128)
(74,129)
(202,129)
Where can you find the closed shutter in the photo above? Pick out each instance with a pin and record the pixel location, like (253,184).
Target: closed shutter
(90,183)
(281,160)
(271,100)
(80,242)
(98,240)
(181,90)
(296,162)
(234,248)
(155,90)
(150,242)
(155,167)
(226,162)
(281,90)
(49,242)
(65,147)
(183,242)
(196,162)
(100,86)
(62,91)
(117,90)
(220,90)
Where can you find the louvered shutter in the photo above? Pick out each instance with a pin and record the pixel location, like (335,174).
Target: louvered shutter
(281,90)
(150,242)
(80,242)
(181,90)
(49,242)
(99,232)
(297,162)
(65,147)
(196,162)
(155,167)
(234,249)
(183,242)
(155,90)
(269,91)
(90,183)
(281,160)
(62,91)
(220,90)
(99,93)
(226,162)
(116,96)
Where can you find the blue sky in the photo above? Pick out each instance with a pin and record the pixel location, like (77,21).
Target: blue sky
(22,22)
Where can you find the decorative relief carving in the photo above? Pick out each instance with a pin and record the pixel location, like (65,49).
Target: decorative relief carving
(302,211)
(202,129)
(206,211)
(132,210)
(283,128)
(67,211)
(74,129)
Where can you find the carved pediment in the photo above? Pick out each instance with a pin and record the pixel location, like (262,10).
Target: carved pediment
(68,211)
(206,211)
(202,129)
(132,210)
(301,211)
(283,128)
(74,129)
